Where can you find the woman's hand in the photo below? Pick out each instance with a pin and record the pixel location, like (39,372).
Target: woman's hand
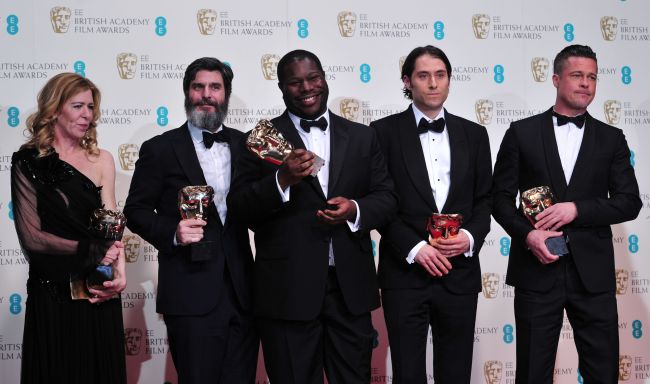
(118,284)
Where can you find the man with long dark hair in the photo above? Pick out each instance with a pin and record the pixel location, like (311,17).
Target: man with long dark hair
(441,164)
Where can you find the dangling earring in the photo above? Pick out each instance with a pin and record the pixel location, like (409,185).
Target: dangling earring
(85,140)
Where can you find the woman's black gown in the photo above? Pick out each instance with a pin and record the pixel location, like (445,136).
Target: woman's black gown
(64,341)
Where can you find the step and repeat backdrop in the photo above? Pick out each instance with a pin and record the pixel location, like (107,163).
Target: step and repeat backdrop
(501,53)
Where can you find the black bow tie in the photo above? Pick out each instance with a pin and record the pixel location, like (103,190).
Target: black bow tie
(209,138)
(307,124)
(433,126)
(579,120)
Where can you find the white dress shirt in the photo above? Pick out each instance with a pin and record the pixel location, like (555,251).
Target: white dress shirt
(215,163)
(437,156)
(568,138)
(318,142)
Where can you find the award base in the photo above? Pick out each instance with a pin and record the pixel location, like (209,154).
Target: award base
(202,251)
(557,246)
(94,280)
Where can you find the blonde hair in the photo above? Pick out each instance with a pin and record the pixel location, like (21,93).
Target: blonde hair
(51,98)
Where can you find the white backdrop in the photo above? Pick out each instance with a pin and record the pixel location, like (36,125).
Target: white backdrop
(501,53)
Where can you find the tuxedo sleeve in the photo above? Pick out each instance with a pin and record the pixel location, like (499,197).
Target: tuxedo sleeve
(254,194)
(623,203)
(144,198)
(479,224)
(379,206)
(505,187)
(396,232)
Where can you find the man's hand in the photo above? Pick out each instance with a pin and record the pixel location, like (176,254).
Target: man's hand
(189,231)
(452,246)
(535,242)
(345,210)
(556,216)
(432,261)
(298,165)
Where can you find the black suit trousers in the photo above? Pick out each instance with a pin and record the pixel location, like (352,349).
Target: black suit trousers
(410,312)
(338,342)
(539,317)
(218,347)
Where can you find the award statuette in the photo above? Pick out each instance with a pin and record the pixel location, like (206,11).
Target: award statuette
(269,145)
(104,224)
(443,225)
(533,202)
(194,203)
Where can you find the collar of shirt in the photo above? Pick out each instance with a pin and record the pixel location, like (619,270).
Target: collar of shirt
(419,115)
(197,133)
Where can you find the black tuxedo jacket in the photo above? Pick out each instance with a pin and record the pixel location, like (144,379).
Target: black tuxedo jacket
(292,245)
(167,163)
(603,187)
(469,195)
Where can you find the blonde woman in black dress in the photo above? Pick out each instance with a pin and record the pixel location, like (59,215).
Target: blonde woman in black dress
(58,177)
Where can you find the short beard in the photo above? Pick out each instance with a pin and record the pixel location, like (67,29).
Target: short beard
(206,120)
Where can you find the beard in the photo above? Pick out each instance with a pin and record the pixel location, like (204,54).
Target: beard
(206,120)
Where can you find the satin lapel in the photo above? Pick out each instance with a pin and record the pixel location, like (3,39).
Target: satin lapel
(186,155)
(288,130)
(458,156)
(235,151)
(414,157)
(338,149)
(553,162)
(587,147)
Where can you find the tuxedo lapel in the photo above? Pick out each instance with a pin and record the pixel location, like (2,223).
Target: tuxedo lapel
(414,157)
(235,151)
(585,155)
(458,156)
(288,130)
(553,162)
(186,155)
(338,149)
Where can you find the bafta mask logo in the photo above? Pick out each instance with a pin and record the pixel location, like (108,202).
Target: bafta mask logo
(493,369)
(490,285)
(269,63)
(539,67)
(609,27)
(350,109)
(624,367)
(622,280)
(126,65)
(347,23)
(132,247)
(481,25)
(128,154)
(402,59)
(612,111)
(132,341)
(60,19)
(207,21)
(483,109)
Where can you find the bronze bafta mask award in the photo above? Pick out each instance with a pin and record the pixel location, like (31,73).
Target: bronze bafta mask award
(194,203)
(443,226)
(108,225)
(269,145)
(533,202)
